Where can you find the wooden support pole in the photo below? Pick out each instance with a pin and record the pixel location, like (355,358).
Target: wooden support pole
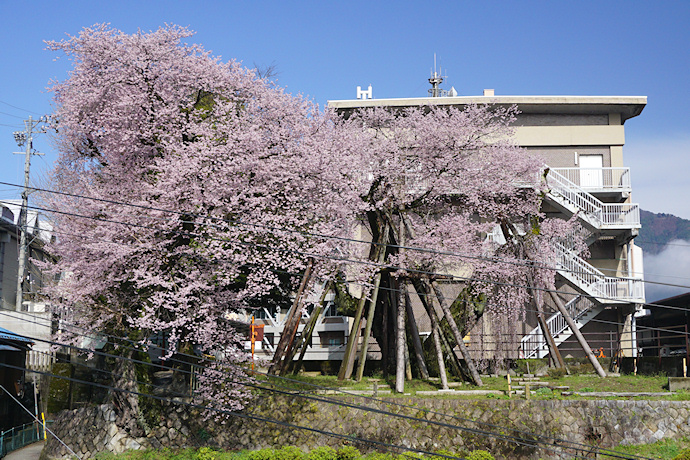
(381,257)
(435,333)
(476,379)
(445,344)
(367,327)
(399,341)
(292,323)
(550,342)
(416,341)
(308,330)
(348,358)
(578,335)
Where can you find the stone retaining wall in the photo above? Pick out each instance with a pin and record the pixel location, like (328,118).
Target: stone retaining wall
(590,423)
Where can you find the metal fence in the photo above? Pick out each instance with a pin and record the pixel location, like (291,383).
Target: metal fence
(20,436)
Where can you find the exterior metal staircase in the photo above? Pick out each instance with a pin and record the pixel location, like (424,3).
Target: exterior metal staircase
(592,282)
(580,308)
(597,290)
(594,213)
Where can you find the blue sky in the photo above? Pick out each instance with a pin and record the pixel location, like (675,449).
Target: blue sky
(324,49)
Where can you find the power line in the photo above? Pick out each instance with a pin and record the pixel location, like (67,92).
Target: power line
(504,437)
(238,222)
(37,420)
(266,375)
(18,108)
(363,262)
(387,446)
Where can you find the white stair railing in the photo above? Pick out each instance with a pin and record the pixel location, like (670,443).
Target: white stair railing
(594,211)
(533,345)
(607,289)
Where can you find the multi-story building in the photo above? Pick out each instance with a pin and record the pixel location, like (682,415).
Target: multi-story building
(33,319)
(580,139)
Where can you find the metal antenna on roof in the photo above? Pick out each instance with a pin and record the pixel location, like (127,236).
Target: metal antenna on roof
(436,80)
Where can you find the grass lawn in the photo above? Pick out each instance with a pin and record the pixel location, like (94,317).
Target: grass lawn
(666,449)
(581,383)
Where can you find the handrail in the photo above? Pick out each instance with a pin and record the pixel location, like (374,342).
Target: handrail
(593,281)
(20,436)
(605,179)
(533,342)
(624,215)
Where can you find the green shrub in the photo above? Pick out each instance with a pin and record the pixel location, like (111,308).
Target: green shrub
(379,456)
(581,368)
(544,392)
(262,454)
(288,453)
(522,366)
(348,453)
(206,453)
(480,455)
(322,453)
(444,452)
(556,373)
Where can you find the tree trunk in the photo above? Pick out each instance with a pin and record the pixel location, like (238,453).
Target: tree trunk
(292,323)
(381,252)
(408,364)
(476,379)
(384,332)
(578,335)
(124,397)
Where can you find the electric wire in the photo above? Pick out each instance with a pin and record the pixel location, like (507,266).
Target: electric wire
(37,420)
(335,258)
(386,446)
(383,266)
(18,108)
(10,115)
(512,439)
(238,222)
(128,224)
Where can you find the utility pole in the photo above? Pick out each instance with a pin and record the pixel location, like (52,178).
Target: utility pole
(25,138)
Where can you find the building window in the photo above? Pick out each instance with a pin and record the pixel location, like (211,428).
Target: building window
(332,338)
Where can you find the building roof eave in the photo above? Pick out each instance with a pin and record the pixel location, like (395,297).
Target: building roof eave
(627,106)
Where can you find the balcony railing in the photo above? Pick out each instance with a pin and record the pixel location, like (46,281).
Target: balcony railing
(598,179)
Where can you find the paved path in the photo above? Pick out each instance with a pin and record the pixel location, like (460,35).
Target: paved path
(30,452)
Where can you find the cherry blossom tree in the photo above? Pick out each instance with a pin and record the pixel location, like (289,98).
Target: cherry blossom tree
(447,179)
(194,187)
(186,181)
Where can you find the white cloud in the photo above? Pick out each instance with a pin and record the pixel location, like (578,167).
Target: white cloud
(670,266)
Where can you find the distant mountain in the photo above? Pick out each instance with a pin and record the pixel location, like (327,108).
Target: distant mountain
(659,229)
